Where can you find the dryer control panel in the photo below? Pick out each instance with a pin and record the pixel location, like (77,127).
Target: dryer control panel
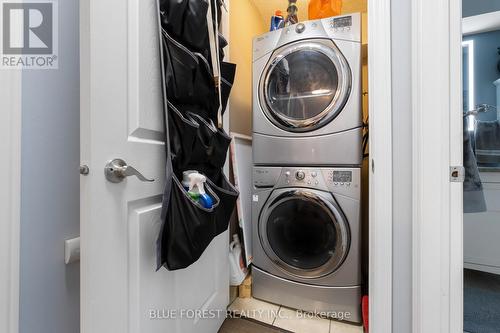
(345,181)
(346,27)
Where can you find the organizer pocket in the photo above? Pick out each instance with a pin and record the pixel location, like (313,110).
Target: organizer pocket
(189,228)
(196,143)
(213,143)
(228,195)
(183,134)
(187,20)
(188,75)
(228,72)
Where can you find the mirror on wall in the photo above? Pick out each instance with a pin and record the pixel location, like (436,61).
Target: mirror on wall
(481,105)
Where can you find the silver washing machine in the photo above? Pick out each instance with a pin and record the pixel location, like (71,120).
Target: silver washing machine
(307,94)
(306,239)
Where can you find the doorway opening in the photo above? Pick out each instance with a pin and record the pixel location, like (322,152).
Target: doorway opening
(481,101)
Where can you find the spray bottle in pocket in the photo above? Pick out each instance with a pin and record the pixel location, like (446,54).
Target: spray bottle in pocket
(194,182)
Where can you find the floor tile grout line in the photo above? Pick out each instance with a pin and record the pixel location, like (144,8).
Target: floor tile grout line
(274,320)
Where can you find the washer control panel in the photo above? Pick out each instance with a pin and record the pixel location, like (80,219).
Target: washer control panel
(340,177)
(302,177)
(266,177)
(345,181)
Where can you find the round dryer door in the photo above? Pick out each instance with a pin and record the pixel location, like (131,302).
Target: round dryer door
(304,233)
(305,85)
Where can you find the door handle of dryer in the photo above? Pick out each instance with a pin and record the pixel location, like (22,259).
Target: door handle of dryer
(117,170)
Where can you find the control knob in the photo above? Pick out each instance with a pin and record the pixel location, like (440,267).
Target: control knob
(300,28)
(300,175)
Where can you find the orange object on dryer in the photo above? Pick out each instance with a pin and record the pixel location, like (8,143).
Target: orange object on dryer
(319,9)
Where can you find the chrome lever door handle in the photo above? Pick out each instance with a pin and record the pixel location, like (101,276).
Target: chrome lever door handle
(117,170)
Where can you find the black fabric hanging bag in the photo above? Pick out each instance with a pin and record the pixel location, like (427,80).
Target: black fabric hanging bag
(189,227)
(193,141)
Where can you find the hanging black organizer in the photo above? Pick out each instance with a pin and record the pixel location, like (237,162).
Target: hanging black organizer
(194,138)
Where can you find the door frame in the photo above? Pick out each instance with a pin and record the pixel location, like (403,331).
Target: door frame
(380,164)
(472,25)
(437,145)
(10,198)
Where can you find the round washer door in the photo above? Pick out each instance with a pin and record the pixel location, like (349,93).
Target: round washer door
(305,85)
(304,232)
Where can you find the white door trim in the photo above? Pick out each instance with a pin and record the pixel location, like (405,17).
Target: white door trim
(380,215)
(437,144)
(10,198)
(456,267)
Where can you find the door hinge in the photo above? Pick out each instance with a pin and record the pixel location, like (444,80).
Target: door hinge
(457,174)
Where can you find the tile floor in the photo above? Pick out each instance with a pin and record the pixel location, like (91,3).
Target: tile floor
(288,319)
(243,325)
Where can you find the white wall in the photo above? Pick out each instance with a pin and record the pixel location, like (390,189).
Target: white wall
(402,165)
(49,290)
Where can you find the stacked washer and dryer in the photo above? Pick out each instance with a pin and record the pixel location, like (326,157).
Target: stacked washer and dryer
(307,154)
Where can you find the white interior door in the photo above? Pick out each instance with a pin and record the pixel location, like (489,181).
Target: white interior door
(120,222)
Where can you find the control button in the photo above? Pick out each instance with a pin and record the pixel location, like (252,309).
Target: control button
(316,183)
(341,184)
(314,174)
(348,184)
(308,182)
(287,31)
(300,175)
(300,28)
(335,184)
(287,174)
(314,25)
